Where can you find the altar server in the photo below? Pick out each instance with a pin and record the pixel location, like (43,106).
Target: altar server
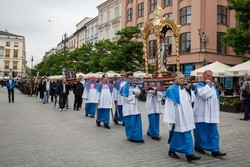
(131,113)
(178,114)
(118,99)
(91,97)
(154,109)
(206,114)
(105,101)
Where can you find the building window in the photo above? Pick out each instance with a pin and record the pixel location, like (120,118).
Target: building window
(152,49)
(116,12)
(185,42)
(130,14)
(153,4)
(185,15)
(15,65)
(221,15)
(169,15)
(7,53)
(6,65)
(169,45)
(7,43)
(167,2)
(15,53)
(221,48)
(130,1)
(141,9)
(140,25)
(15,44)
(101,19)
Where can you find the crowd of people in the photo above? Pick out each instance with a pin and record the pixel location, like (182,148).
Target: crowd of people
(185,108)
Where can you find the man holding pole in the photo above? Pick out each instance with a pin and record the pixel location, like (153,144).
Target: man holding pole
(178,114)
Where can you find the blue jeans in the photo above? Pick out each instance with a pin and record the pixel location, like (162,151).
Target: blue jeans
(246,105)
(46,96)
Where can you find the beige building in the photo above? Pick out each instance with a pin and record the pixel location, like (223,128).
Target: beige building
(12,55)
(203,24)
(91,31)
(109,19)
(50,52)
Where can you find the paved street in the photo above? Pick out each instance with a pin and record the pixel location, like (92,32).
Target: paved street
(36,135)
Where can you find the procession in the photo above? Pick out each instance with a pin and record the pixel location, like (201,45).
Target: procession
(156,83)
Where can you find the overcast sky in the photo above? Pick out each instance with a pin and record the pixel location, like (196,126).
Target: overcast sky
(30,18)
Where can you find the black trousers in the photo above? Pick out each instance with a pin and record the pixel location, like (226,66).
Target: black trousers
(78,101)
(62,101)
(11,93)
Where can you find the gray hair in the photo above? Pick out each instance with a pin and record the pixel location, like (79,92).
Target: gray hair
(177,74)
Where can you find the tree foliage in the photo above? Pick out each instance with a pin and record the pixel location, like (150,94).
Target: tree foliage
(124,54)
(239,38)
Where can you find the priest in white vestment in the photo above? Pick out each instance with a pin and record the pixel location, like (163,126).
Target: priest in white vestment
(178,114)
(154,109)
(105,102)
(131,113)
(206,114)
(91,97)
(119,99)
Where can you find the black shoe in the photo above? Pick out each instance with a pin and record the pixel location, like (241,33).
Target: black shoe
(107,127)
(12,101)
(116,122)
(243,119)
(148,134)
(156,138)
(218,154)
(199,150)
(136,141)
(92,116)
(98,123)
(191,158)
(74,108)
(123,124)
(173,155)
(77,109)
(86,115)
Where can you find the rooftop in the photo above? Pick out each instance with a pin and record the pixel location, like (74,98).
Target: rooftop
(9,34)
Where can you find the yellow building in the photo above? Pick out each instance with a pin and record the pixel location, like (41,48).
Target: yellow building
(12,55)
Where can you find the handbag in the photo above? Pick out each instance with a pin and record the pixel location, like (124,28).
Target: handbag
(245,93)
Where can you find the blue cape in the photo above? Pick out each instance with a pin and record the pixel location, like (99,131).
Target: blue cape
(173,93)
(203,84)
(117,84)
(100,85)
(125,89)
(88,84)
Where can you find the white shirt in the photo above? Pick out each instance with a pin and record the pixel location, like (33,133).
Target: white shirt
(47,85)
(153,102)
(207,105)
(116,93)
(181,115)
(105,97)
(130,103)
(91,95)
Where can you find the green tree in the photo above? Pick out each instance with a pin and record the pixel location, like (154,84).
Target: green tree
(128,54)
(239,38)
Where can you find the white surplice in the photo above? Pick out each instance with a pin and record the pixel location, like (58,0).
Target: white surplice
(182,114)
(130,103)
(91,95)
(105,97)
(153,102)
(206,105)
(116,94)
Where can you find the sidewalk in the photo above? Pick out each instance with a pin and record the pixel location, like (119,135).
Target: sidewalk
(35,134)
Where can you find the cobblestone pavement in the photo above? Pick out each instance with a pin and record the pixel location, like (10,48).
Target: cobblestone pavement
(35,134)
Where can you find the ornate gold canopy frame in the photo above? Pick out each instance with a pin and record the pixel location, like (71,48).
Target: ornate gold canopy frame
(157,24)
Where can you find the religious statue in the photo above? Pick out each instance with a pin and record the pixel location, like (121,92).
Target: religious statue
(204,40)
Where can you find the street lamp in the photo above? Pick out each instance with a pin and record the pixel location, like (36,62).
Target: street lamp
(64,41)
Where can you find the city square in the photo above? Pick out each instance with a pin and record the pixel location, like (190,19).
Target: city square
(34,134)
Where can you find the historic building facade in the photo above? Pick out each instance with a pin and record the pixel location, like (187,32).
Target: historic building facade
(12,55)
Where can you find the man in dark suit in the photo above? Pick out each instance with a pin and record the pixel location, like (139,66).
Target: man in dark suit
(63,92)
(78,91)
(10,83)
